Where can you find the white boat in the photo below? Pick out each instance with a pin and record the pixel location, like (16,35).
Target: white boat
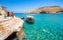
(30,19)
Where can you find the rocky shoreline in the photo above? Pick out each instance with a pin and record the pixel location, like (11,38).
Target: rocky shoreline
(48,9)
(9,24)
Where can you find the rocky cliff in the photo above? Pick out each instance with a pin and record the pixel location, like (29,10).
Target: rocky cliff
(3,11)
(48,9)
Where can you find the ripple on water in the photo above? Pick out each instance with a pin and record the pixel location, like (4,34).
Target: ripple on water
(45,27)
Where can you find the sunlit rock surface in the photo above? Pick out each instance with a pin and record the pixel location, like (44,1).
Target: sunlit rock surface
(9,24)
(47,9)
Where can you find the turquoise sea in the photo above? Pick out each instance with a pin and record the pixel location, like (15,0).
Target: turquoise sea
(45,27)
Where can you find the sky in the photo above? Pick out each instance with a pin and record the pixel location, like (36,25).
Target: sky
(24,5)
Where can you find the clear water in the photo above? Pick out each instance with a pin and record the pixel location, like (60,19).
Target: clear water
(45,27)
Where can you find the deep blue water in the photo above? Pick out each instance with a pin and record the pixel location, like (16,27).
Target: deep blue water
(45,27)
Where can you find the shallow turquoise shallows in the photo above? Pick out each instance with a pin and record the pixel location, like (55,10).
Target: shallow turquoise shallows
(45,27)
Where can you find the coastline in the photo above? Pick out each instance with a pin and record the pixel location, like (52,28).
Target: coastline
(45,10)
(11,26)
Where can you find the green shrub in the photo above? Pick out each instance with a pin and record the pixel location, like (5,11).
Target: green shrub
(0,14)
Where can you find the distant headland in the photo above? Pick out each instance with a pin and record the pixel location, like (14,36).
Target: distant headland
(47,9)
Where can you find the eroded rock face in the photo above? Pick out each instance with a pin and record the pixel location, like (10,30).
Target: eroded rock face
(48,9)
(3,11)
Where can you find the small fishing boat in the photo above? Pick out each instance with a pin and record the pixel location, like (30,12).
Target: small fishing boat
(30,19)
(22,17)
